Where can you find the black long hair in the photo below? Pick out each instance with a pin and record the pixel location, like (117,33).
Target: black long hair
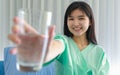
(84,7)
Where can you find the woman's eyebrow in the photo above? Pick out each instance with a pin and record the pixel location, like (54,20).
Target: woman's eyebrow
(77,16)
(81,16)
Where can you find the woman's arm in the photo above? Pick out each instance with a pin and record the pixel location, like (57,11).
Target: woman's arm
(55,49)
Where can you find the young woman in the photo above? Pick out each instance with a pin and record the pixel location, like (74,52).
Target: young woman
(76,52)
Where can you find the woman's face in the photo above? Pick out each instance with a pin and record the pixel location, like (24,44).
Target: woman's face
(78,23)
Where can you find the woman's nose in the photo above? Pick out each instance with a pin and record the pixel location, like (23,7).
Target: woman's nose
(76,22)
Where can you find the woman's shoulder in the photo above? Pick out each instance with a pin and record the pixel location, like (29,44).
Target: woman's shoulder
(98,47)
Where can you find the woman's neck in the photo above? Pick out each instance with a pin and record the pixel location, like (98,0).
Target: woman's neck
(81,41)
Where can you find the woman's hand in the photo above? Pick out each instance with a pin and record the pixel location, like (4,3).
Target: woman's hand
(15,38)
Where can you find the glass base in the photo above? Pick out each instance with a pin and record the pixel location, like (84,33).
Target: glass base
(28,69)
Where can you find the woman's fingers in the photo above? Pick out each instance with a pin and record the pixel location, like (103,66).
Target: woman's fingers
(13,51)
(27,27)
(14,38)
(16,29)
(51,34)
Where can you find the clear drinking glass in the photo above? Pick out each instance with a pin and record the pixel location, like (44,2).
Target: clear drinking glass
(33,47)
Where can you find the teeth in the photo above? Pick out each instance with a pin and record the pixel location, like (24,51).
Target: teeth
(76,28)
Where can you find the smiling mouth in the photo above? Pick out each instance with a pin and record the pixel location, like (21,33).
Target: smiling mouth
(77,28)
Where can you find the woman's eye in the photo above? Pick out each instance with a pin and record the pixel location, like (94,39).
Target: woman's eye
(71,19)
(81,18)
